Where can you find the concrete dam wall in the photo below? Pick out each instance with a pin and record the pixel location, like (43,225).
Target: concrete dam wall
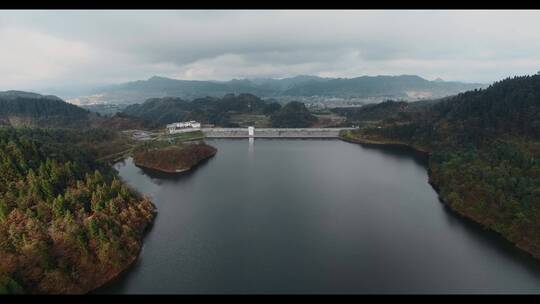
(273,132)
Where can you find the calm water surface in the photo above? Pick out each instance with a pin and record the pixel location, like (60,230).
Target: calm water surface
(313,216)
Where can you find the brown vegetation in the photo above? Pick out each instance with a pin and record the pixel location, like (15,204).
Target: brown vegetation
(67,223)
(175,158)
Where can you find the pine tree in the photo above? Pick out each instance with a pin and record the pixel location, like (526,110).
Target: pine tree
(3,210)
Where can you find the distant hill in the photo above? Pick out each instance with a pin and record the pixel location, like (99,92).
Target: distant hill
(407,87)
(372,112)
(121,121)
(388,110)
(293,115)
(372,88)
(105,109)
(27,109)
(30,109)
(207,110)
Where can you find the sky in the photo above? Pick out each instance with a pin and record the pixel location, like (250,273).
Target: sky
(45,49)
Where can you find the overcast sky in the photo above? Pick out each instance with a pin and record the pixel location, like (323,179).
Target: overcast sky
(40,49)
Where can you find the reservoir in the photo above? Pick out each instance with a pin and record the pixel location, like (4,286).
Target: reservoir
(313,216)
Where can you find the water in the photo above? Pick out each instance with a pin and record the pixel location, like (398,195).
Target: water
(313,216)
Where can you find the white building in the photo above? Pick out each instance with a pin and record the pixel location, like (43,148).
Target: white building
(185,126)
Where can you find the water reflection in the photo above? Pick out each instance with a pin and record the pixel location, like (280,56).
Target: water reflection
(250,146)
(498,244)
(314,216)
(398,152)
(158,176)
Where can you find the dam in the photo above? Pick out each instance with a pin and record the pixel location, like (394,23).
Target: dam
(252,132)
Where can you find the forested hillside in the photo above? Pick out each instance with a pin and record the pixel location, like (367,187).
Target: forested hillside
(25,109)
(388,111)
(121,121)
(30,109)
(206,110)
(372,112)
(209,110)
(67,223)
(485,154)
(293,115)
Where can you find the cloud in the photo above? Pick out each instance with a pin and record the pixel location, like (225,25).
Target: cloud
(62,48)
(34,55)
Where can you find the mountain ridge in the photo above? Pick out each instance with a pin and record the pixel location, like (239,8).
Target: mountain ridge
(20,108)
(404,87)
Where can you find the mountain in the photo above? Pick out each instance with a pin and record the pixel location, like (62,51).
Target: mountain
(121,121)
(389,110)
(509,108)
(207,110)
(484,148)
(368,88)
(284,84)
(30,109)
(292,115)
(159,87)
(396,87)
(26,109)
(372,112)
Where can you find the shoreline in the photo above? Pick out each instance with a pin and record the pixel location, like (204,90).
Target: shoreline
(129,266)
(107,280)
(175,171)
(364,141)
(471,218)
(118,274)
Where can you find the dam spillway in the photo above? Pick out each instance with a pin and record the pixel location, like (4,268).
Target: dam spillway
(272,132)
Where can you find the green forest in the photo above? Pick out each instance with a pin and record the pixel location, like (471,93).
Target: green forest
(219,111)
(485,154)
(372,112)
(292,115)
(209,110)
(67,223)
(23,109)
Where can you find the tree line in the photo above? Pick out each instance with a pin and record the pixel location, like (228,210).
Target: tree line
(66,221)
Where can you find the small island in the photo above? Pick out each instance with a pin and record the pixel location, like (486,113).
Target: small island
(174,158)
